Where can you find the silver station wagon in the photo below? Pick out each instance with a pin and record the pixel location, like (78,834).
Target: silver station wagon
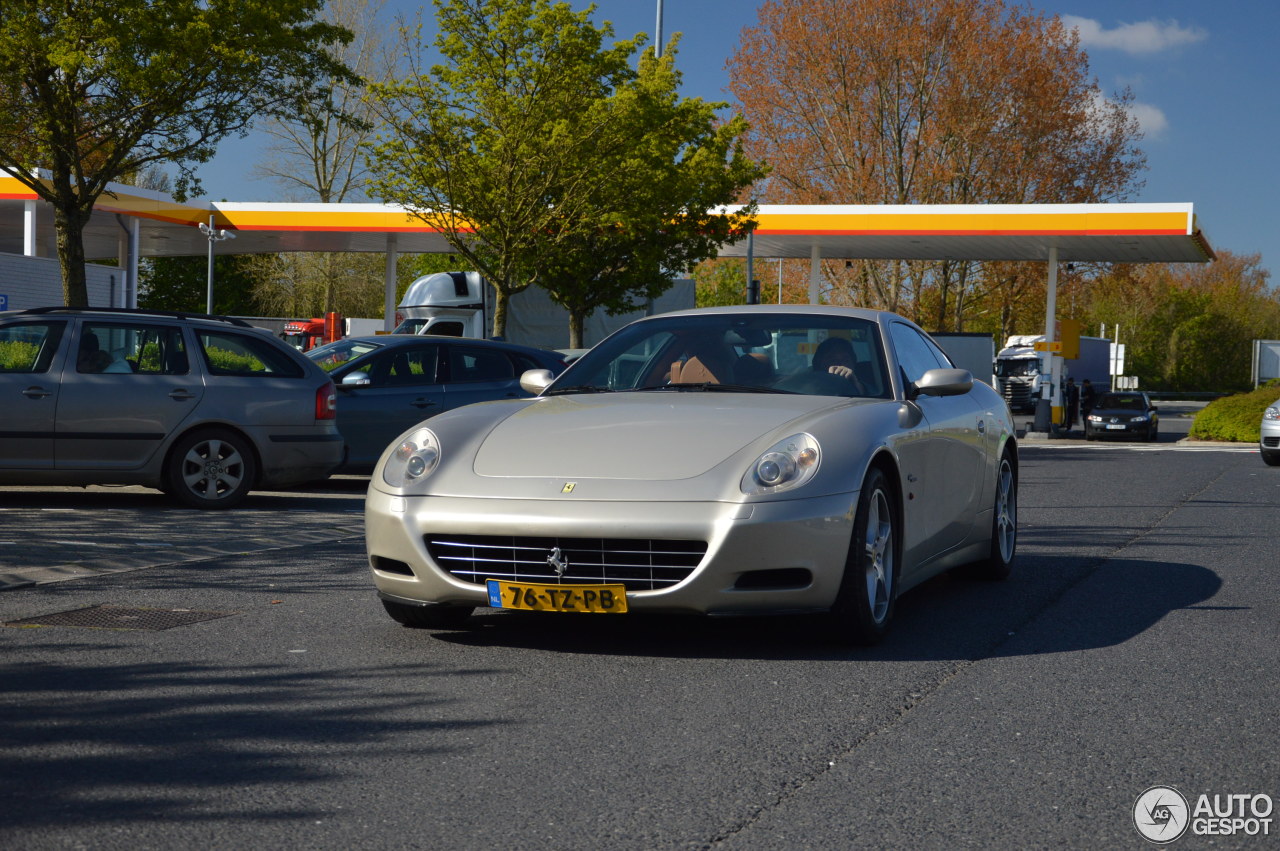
(203,408)
(727,461)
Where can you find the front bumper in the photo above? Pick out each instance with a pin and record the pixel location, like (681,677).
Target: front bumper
(1127,431)
(1270,436)
(793,551)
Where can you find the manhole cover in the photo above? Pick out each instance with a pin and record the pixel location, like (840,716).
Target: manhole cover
(122,617)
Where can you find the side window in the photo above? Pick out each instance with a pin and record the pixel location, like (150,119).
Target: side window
(915,354)
(29,347)
(401,366)
(229,353)
(477,364)
(447,329)
(524,363)
(109,347)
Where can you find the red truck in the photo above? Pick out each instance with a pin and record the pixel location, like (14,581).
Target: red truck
(306,334)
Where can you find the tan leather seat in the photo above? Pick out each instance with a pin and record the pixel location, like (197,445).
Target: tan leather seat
(708,364)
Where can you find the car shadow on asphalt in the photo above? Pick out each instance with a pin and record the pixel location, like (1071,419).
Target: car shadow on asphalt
(1050,605)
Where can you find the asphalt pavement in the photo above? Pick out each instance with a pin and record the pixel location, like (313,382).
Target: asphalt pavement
(1137,644)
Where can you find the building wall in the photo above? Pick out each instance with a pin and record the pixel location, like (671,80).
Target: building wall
(27,282)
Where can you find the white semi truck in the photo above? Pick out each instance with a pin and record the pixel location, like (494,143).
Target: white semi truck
(1017,368)
(460,304)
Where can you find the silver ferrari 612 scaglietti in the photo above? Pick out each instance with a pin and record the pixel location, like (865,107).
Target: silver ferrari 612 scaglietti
(725,461)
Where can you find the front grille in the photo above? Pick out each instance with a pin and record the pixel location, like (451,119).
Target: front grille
(1271,442)
(641,564)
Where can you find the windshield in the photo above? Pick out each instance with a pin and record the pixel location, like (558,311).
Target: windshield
(1121,402)
(760,353)
(1009,368)
(330,356)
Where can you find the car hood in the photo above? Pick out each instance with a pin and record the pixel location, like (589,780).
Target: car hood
(637,436)
(1122,413)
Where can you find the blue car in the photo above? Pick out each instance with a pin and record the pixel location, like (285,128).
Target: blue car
(389,383)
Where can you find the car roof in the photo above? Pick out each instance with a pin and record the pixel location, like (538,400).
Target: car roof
(811,309)
(133,313)
(394,340)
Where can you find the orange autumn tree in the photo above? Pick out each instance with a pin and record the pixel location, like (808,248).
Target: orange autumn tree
(927,102)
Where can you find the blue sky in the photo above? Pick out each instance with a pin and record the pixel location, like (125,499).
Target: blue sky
(1204,75)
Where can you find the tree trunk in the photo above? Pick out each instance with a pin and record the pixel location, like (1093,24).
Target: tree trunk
(576,320)
(70,229)
(500,312)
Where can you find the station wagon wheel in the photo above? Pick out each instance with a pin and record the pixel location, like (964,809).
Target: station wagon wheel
(864,604)
(214,468)
(428,617)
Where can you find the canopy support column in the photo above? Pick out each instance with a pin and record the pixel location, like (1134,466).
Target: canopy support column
(389,286)
(815,273)
(29,228)
(1047,406)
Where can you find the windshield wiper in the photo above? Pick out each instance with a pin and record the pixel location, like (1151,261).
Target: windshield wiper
(577,388)
(713,388)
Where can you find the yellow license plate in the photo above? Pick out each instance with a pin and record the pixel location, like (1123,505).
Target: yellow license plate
(600,599)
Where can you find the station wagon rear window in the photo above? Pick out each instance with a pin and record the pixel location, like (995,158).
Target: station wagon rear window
(228,353)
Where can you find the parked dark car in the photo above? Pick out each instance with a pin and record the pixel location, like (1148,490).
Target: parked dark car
(1127,415)
(204,408)
(391,382)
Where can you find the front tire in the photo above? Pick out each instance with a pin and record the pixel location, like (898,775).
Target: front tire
(868,590)
(1271,458)
(428,617)
(211,469)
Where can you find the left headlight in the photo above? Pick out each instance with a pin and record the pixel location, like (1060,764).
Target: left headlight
(787,464)
(1139,419)
(415,458)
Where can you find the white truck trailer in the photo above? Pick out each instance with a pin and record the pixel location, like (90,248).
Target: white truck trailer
(460,304)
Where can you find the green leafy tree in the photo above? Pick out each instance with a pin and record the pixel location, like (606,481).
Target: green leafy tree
(720,282)
(512,146)
(644,209)
(91,91)
(181,283)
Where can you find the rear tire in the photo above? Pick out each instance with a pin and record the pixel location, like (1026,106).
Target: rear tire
(210,469)
(428,617)
(1004,527)
(868,591)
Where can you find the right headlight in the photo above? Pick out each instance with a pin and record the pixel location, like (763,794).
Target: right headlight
(1272,413)
(413,459)
(785,465)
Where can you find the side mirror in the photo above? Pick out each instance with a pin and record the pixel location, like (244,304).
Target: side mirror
(536,380)
(942,382)
(353,379)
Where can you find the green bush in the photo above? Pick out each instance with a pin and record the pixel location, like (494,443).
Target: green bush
(17,356)
(234,363)
(1237,418)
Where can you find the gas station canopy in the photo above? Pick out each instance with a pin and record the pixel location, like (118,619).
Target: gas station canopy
(1118,233)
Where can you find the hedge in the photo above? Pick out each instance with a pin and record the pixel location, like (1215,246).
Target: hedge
(1236,418)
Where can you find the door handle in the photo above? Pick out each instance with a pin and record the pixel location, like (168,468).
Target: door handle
(181,395)
(422,403)
(36,392)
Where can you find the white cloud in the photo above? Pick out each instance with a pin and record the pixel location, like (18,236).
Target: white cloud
(1140,37)
(1150,118)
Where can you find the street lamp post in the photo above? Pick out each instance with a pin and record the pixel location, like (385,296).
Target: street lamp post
(214,235)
